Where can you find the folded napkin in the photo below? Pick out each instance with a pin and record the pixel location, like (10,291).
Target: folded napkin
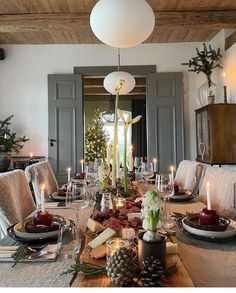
(7,251)
(54,205)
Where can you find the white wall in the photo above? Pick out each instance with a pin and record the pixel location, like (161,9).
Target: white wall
(23,81)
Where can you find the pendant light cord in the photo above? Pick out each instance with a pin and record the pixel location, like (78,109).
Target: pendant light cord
(118,59)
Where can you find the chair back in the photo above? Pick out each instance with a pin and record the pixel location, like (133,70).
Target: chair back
(16,201)
(188,175)
(223,190)
(38,174)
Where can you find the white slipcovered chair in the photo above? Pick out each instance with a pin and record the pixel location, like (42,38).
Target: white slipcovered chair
(223,190)
(188,175)
(16,201)
(38,174)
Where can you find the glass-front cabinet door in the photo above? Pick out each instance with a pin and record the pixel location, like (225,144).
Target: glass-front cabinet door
(203,136)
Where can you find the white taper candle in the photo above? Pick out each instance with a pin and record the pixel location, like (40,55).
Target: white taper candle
(208,193)
(42,198)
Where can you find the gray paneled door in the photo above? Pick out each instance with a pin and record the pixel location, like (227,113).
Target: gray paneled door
(65,123)
(165,134)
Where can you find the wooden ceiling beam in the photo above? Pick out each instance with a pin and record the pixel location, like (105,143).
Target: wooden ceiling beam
(203,20)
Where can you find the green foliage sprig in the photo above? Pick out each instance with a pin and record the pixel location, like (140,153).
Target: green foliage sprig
(8,140)
(205,61)
(88,269)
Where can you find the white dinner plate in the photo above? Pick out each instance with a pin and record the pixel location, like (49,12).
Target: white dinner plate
(21,233)
(229,232)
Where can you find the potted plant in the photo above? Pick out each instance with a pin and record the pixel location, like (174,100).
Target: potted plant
(9,143)
(151,243)
(205,61)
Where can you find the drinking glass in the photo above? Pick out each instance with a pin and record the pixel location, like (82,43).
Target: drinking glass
(91,171)
(76,197)
(165,187)
(146,172)
(69,241)
(106,202)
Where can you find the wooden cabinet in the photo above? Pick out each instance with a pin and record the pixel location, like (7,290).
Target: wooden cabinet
(216,134)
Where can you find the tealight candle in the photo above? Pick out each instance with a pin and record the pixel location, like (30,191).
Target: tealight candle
(68,174)
(31,155)
(119,202)
(42,198)
(208,193)
(112,245)
(82,165)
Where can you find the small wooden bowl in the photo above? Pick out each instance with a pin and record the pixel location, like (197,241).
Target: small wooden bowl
(192,220)
(31,228)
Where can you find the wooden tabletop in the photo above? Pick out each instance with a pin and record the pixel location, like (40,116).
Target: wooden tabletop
(179,279)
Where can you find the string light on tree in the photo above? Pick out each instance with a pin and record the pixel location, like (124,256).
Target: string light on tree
(95,139)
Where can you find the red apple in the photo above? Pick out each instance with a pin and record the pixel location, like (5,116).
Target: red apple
(43,218)
(208,217)
(176,188)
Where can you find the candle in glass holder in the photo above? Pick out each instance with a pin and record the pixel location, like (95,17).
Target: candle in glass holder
(119,202)
(112,245)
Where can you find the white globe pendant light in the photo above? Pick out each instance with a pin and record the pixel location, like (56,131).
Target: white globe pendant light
(111,80)
(122,23)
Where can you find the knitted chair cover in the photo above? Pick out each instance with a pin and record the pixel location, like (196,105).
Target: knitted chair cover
(16,201)
(223,190)
(188,175)
(41,173)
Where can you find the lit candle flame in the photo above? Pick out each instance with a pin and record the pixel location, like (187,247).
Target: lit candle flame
(172,168)
(81,161)
(42,187)
(68,169)
(31,155)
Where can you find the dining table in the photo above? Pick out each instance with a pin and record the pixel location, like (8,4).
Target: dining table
(199,263)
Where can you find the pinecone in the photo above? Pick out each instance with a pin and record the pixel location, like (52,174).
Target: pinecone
(121,267)
(151,273)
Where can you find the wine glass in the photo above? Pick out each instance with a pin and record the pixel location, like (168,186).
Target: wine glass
(146,172)
(91,171)
(137,165)
(76,197)
(165,187)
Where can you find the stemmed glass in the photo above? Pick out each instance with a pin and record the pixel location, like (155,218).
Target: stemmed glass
(146,172)
(91,171)
(77,197)
(137,165)
(165,187)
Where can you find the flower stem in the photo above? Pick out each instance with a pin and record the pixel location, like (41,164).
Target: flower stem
(115,141)
(124,162)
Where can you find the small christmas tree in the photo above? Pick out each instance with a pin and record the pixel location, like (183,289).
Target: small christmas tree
(95,139)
